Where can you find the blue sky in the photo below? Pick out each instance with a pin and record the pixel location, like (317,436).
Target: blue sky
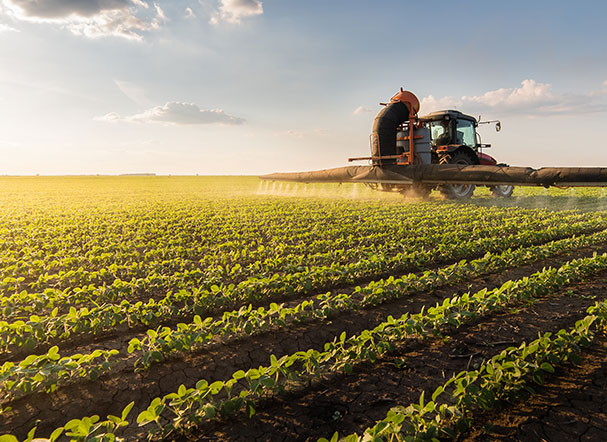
(250,86)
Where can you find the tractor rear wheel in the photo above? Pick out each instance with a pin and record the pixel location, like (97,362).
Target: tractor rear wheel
(457,191)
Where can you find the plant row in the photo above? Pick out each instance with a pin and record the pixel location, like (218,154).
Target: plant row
(60,327)
(189,407)
(126,279)
(500,379)
(157,345)
(165,244)
(45,372)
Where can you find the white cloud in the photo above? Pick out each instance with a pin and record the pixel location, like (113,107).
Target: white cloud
(90,18)
(189,13)
(232,11)
(362,110)
(178,113)
(531,98)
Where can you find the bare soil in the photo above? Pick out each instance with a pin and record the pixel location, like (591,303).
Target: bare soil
(351,403)
(346,403)
(571,406)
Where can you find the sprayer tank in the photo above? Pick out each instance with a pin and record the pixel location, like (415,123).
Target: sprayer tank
(422,145)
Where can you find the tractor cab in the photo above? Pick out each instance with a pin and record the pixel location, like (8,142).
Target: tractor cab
(451,127)
(454,140)
(452,131)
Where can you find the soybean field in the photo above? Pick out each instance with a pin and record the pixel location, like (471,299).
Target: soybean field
(226,308)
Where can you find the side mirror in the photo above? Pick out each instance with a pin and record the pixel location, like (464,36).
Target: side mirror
(498,126)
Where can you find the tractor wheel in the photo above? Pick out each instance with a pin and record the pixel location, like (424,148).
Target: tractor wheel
(504,191)
(457,191)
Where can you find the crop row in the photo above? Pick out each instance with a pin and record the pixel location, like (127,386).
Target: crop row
(46,372)
(501,378)
(158,344)
(168,243)
(117,281)
(37,330)
(189,407)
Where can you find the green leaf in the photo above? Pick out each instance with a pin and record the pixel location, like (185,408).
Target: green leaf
(437,393)
(127,410)
(240,374)
(547,367)
(248,328)
(145,417)
(55,434)
(210,411)
(216,387)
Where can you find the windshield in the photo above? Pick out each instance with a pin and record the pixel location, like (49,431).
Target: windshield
(465,133)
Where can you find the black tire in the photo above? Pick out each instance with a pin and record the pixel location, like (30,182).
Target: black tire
(504,191)
(457,191)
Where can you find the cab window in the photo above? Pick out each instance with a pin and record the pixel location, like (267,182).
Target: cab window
(465,133)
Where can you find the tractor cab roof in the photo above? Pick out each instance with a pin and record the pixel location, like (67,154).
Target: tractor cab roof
(452,114)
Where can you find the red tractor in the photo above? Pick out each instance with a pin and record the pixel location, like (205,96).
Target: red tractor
(440,151)
(443,137)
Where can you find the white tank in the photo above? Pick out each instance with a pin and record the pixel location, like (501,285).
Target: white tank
(422,145)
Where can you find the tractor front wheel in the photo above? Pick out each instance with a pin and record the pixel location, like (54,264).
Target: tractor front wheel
(457,191)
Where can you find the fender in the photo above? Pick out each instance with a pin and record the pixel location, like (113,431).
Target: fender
(451,148)
(486,160)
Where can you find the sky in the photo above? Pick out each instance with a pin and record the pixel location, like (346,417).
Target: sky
(255,86)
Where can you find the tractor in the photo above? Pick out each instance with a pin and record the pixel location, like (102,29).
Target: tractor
(442,137)
(443,151)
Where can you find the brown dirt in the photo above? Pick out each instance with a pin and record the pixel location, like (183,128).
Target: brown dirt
(571,406)
(350,404)
(111,393)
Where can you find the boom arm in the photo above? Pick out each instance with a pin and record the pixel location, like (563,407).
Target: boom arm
(453,174)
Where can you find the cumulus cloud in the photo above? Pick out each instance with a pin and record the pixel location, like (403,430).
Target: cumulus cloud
(531,98)
(232,11)
(91,18)
(178,113)
(362,110)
